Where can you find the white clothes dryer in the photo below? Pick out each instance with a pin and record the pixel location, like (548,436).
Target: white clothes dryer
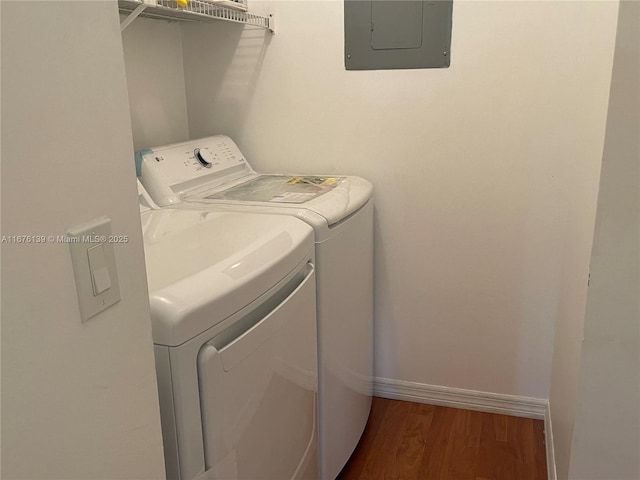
(212,173)
(232,300)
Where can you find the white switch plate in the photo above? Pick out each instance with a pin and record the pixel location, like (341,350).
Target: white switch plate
(81,239)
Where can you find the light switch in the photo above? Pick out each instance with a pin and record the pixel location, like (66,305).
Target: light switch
(94,267)
(100,279)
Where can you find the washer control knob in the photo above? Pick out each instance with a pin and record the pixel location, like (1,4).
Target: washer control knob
(203,157)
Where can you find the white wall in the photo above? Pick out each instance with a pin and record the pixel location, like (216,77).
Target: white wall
(155,80)
(606,436)
(485,173)
(79,401)
(0,258)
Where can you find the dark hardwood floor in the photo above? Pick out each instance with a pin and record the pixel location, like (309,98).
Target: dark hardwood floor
(411,441)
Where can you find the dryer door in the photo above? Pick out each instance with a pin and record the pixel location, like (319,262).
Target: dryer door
(258,390)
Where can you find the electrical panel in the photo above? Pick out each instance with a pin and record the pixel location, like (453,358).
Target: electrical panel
(392,34)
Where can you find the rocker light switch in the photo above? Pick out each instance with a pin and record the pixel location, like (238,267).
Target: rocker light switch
(94,266)
(99,271)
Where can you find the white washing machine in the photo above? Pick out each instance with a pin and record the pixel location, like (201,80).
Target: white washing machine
(232,300)
(213,173)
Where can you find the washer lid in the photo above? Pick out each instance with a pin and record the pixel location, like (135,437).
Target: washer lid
(334,198)
(204,266)
(279,189)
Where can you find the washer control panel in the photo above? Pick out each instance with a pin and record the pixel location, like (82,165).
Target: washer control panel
(172,170)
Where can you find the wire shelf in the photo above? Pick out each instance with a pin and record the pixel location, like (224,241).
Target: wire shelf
(194,11)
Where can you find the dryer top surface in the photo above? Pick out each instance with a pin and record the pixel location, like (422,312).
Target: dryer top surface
(216,262)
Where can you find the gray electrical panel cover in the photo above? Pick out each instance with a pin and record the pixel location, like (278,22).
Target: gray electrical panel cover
(390,34)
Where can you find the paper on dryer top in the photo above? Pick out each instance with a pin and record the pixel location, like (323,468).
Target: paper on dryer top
(279,189)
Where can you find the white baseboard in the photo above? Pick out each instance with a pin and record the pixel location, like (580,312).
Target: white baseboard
(460,398)
(548,439)
(517,406)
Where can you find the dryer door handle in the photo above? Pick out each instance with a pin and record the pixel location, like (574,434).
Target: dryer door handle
(244,336)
